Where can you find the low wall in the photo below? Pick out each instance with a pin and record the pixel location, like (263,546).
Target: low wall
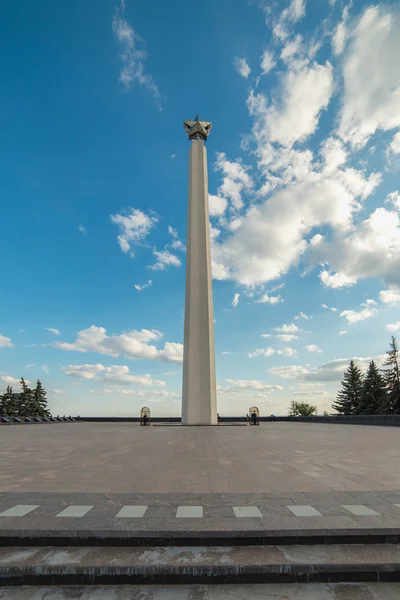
(385,420)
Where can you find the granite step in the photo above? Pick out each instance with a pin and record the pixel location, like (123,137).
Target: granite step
(199,565)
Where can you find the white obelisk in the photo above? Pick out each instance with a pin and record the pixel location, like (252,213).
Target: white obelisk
(199,405)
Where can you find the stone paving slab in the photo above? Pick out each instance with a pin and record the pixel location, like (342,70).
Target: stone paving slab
(275,458)
(187,512)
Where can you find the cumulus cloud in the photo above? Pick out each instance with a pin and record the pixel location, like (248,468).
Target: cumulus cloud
(371,249)
(267,299)
(302,315)
(287,328)
(329,371)
(242,67)
(82,229)
(235,180)
(11,380)
(235,300)
(134,227)
(164,259)
(55,331)
(114,374)
(367,311)
(391,295)
(216,205)
(132,344)
(394,146)
(132,56)
(252,385)
(371,103)
(340,35)
(312,348)
(343,332)
(267,62)
(392,327)
(289,352)
(5,342)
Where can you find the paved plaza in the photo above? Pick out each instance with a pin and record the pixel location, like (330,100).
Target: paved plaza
(277,477)
(273,458)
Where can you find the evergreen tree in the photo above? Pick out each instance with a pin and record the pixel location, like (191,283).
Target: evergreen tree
(40,400)
(8,403)
(392,378)
(26,407)
(373,392)
(348,398)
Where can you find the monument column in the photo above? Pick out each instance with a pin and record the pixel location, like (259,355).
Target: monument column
(199,383)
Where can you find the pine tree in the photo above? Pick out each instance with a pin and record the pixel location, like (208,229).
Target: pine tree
(40,400)
(8,403)
(392,378)
(26,407)
(373,392)
(348,398)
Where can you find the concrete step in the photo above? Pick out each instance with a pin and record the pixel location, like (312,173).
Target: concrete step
(268,591)
(199,565)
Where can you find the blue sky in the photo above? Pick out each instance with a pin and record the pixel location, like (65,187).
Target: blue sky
(304,161)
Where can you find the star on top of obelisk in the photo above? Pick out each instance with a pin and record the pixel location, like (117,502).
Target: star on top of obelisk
(197,130)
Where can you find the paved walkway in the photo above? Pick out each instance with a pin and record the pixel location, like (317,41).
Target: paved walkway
(198,512)
(275,458)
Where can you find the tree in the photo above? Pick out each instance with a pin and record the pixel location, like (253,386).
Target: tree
(301,409)
(373,392)
(348,398)
(392,378)
(26,405)
(8,403)
(40,400)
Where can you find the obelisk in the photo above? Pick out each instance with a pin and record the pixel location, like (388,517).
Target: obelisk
(199,405)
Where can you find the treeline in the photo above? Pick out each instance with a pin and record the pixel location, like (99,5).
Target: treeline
(26,403)
(376,392)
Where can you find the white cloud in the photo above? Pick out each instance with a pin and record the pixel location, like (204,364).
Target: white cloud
(140,288)
(291,352)
(11,380)
(394,199)
(286,337)
(330,371)
(132,344)
(336,280)
(114,374)
(391,295)
(370,102)
(45,368)
(235,300)
(395,144)
(5,342)
(291,328)
(291,48)
(240,385)
(392,327)
(132,57)
(367,311)
(82,229)
(301,315)
(217,205)
(343,332)
(134,227)
(236,180)
(340,35)
(164,259)
(242,67)
(371,249)
(266,298)
(305,91)
(173,156)
(312,348)
(55,331)
(332,308)
(173,232)
(267,62)
(288,17)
